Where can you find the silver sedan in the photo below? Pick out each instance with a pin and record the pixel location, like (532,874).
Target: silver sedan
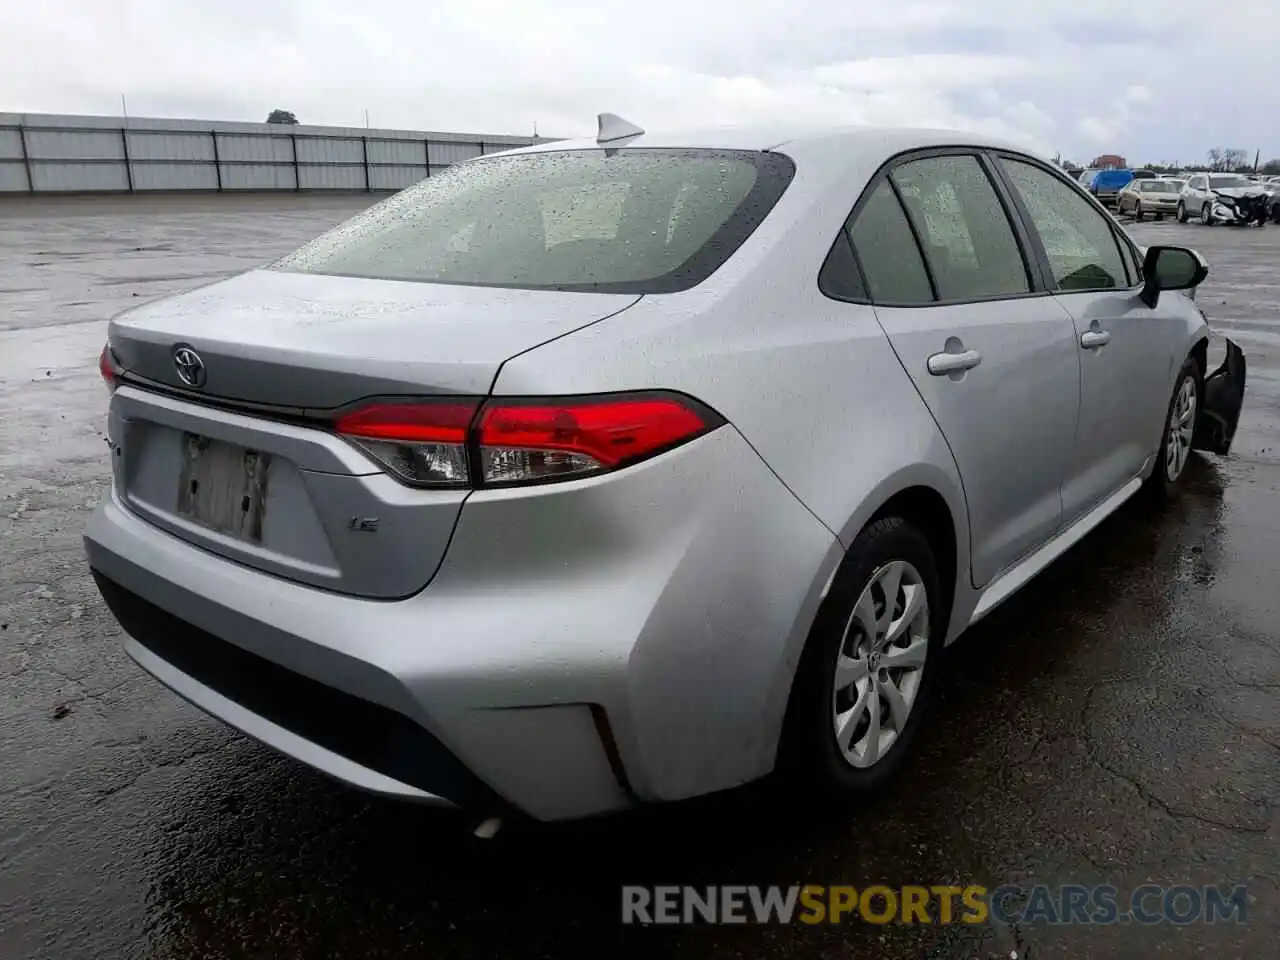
(622,470)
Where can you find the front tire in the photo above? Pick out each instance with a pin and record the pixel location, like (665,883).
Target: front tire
(1179,429)
(869,666)
(1182,213)
(1137,213)
(1206,215)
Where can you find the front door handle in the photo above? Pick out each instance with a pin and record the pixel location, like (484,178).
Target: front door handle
(1093,339)
(940,364)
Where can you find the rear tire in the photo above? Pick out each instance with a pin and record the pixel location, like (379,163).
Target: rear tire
(1137,213)
(1175,437)
(857,700)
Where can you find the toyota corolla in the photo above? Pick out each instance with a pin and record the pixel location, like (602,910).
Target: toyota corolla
(623,470)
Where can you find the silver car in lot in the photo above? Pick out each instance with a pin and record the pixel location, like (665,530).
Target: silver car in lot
(627,469)
(1217,198)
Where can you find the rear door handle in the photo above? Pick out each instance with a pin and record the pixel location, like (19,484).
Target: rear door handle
(1093,339)
(941,364)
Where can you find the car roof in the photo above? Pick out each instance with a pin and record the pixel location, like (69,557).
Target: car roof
(812,143)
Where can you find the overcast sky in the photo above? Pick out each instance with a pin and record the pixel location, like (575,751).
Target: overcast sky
(1077,76)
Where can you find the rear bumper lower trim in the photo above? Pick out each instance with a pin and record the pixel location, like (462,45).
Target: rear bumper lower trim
(354,740)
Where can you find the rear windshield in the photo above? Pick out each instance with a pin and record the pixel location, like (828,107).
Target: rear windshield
(625,221)
(1158,186)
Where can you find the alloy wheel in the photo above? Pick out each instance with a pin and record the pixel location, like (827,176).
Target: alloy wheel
(1206,215)
(880,663)
(1181,428)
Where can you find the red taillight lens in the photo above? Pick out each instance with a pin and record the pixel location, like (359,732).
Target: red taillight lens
(424,444)
(519,441)
(107,367)
(523,442)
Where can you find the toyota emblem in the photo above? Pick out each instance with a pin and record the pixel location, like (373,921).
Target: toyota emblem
(189,366)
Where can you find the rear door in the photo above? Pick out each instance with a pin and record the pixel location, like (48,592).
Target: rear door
(993,358)
(1126,349)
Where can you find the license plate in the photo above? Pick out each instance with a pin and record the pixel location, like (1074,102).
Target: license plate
(223,486)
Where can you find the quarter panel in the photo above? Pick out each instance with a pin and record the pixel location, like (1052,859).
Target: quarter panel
(811,383)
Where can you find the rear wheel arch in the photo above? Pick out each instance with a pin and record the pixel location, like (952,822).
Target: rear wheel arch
(907,517)
(927,510)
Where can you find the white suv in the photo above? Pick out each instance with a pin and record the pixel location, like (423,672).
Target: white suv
(1203,192)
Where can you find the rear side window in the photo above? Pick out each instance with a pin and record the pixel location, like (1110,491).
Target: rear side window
(887,250)
(624,221)
(1082,250)
(968,241)
(839,276)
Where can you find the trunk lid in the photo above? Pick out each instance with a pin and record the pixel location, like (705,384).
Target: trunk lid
(316,342)
(229,467)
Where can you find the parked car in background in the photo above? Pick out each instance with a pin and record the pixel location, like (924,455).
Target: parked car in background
(1144,175)
(1229,198)
(478,499)
(1150,197)
(1107,184)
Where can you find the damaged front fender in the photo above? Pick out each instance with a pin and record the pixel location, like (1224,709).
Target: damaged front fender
(1221,401)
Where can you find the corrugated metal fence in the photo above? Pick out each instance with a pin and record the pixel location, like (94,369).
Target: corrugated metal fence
(48,153)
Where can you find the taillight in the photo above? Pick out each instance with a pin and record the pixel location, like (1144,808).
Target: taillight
(522,442)
(448,443)
(108,368)
(423,443)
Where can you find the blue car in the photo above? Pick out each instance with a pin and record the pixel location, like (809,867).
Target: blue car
(1106,184)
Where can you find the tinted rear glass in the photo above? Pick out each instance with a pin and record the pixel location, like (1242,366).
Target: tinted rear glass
(636,221)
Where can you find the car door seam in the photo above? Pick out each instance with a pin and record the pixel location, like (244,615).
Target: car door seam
(493,384)
(937,426)
(799,499)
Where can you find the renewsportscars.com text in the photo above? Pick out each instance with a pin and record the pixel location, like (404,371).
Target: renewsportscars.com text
(934,904)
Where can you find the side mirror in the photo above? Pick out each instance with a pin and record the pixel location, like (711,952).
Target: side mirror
(1171,268)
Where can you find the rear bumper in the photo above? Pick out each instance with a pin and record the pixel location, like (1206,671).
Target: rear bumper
(355,740)
(583,647)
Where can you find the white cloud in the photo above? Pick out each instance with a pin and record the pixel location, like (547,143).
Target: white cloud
(1058,75)
(1096,131)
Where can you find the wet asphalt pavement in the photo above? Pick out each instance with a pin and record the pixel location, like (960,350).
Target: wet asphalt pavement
(1115,723)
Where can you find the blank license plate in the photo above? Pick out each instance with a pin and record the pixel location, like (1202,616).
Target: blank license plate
(223,486)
